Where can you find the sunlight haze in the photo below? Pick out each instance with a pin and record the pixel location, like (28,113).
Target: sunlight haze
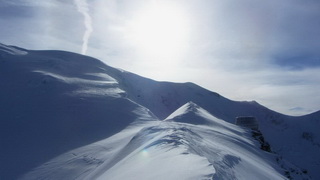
(267,51)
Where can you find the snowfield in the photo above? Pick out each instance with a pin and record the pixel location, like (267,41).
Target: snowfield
(171,150)
(68,116)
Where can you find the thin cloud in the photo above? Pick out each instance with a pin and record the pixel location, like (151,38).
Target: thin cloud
(83,8)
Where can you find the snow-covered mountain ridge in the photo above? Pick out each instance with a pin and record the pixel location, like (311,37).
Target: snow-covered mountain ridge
(59,104)
(170,150)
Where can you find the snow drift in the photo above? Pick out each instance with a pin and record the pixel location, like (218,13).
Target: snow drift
(171,150)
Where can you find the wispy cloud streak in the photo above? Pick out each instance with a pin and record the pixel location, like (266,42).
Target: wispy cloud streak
(83,8)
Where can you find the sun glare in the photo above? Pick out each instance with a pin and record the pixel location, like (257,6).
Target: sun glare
(159,31)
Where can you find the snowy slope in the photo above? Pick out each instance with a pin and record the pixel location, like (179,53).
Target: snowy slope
(289,136)
(171,150)
(52,102)
(98,121)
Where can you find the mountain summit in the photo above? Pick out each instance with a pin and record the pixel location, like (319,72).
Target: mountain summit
(68,116)
(191,113)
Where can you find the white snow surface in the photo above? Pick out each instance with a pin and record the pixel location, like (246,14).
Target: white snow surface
(12,50)
(68,116)
(168,150)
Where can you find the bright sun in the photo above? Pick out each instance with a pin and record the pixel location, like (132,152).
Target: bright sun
(159,31)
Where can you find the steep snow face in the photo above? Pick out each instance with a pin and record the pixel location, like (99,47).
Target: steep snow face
(297,140)
(190,109)
(169,150)
(52,102)
(191,113)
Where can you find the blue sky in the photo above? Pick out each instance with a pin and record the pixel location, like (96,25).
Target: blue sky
(268,51)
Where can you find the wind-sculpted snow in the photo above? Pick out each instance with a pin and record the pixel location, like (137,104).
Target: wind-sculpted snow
(11,50)
(169,150)
(53,102)
(284,133)
(73,117)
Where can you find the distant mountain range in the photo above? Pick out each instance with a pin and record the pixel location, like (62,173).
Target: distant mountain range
(69,116)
